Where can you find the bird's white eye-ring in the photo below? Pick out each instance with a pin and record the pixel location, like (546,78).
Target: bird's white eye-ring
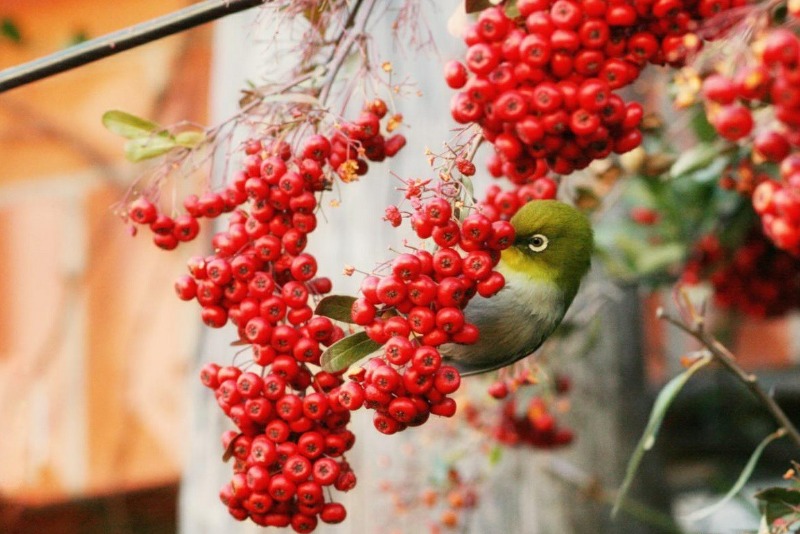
(537,243)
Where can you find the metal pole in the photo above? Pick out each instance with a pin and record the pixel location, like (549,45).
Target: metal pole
(121,40)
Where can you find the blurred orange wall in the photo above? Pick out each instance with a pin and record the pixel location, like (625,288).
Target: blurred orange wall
(94,346)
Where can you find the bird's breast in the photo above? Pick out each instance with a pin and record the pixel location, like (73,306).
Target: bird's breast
(513,322)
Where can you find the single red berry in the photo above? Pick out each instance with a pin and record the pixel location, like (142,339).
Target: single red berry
(445,408)
(289,407)
(333,513)
(325,471)
(391,290)
(186,287)
(362,312)
(422,320)
(209,374)
(402,409)
(455,74)
(447,235)
(406,266)
(385,423)
(733,122)
(214,316)
(142,211)
(781,47)
(426,360)
(351,396)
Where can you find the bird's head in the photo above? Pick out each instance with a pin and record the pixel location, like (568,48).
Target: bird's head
(553,243)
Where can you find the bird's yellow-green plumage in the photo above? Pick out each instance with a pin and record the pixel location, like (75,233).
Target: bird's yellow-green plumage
(543,270)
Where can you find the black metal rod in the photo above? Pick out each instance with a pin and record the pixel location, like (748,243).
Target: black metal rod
(121,40)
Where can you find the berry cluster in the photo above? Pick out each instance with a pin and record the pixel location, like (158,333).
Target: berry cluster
(418,307)
(756,279)
(541,86)
(534,425)
(758,104)
(270,184)
(290,445)
(292,431)
(769,86)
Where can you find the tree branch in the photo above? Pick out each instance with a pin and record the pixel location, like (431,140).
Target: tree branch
(728,360)
(119,41)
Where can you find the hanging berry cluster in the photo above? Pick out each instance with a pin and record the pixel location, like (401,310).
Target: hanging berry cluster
(767,85)
(292,433)
(418,307)
(541,85)
(526,416)
(756,279)
(275,194)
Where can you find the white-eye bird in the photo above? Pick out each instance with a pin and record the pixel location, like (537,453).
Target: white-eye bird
(543,269)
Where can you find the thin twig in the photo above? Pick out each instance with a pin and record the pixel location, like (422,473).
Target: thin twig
(119,41)
(728,360)
(354,29)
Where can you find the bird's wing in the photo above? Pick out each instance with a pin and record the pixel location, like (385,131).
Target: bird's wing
(469,369)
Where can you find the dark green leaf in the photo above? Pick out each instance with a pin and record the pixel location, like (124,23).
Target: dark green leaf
(347,351)
(778,502)
(703,129)
(337,307)
(648,439)
(130,126)
(473,6)
(144,148)
(9,30)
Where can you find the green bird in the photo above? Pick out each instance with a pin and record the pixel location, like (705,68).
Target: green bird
(543,270)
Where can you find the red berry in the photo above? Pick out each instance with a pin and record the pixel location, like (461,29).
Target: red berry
(142,211)
(455,74)
(733,122)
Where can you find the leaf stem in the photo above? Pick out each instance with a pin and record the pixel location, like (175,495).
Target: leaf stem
(725,357)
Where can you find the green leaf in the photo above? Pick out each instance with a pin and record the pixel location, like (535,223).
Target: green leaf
(143,148)
(9,30)
(740,482)
(695,158)
(337,307)
(778,502)
(495,455)
(469,187)
(656,258)
(512,11)
(702,128)
(190,138)
(648,439)
(130,126)
(347,351)
(77,38)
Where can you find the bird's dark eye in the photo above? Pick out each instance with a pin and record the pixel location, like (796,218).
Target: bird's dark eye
(537,242)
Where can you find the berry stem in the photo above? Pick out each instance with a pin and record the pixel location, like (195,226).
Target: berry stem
(354,29)
(728,360)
